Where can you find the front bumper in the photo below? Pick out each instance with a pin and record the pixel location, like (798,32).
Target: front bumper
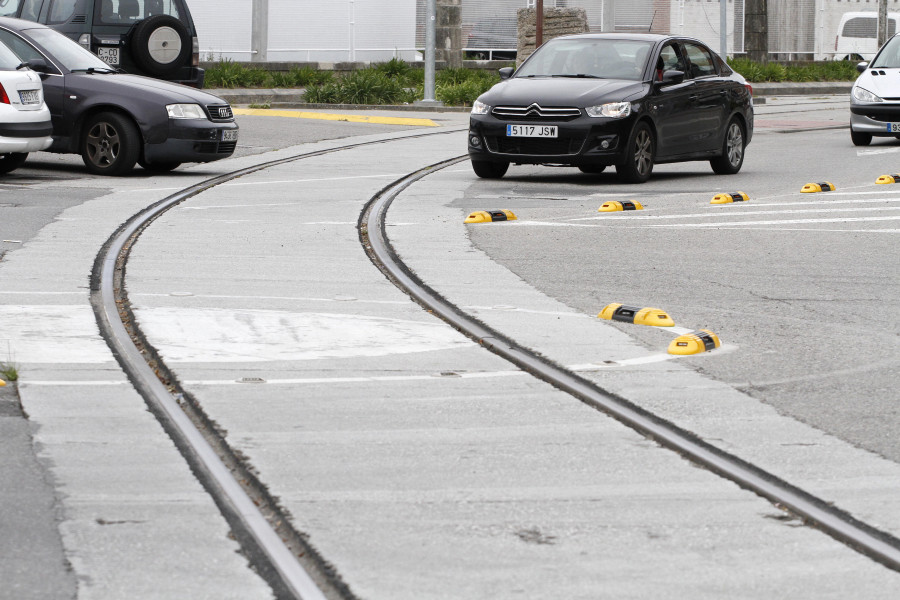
(875,119)
(193,141)
(581,141)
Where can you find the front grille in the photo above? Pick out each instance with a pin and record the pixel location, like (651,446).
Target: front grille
(215,147)
(534,146)
(220,112)
(536,112)
(892,117)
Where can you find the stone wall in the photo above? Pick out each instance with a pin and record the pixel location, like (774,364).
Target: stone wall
(557,22)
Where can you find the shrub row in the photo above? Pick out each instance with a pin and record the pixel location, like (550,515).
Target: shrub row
(392,82)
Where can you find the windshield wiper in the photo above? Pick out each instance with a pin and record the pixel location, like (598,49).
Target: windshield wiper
(579,76)
(92,70)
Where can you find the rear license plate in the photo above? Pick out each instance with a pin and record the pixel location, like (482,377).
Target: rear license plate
(548,131)
(30,96)
(229,135)
(108,55)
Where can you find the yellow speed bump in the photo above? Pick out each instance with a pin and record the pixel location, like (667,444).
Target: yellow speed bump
(818,187)
(639,316)
(694,342)
(616,206)
(729,198)
(486,216)
(888,179)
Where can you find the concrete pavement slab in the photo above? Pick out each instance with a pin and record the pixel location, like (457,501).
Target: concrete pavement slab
(426,484)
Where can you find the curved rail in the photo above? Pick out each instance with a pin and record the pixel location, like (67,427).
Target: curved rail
(874,543)
(207,453)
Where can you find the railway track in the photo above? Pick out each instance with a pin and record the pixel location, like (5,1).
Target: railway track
(280,553)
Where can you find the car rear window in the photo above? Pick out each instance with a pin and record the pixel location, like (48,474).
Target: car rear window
(117,12)
(9,61)
(866,27)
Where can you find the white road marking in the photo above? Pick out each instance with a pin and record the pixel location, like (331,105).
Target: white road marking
(52,334)
(719,214)
(244,335)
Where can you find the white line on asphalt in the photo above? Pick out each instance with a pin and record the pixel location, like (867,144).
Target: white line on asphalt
(877,151)
(737,224)
(719,214)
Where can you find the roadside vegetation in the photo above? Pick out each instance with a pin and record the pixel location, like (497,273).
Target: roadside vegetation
(399,82)
(754,72)
(8,372)
(392,82)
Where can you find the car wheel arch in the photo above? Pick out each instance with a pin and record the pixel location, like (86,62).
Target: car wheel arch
(97,109)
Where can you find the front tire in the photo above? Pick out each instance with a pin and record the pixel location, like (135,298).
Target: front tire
(489,170)
(111,144)
(639,154)
(860,138)
(733,146)
(12,161)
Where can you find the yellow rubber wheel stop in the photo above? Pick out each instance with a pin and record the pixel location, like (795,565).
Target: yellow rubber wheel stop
(818,187)
(616,206)
(729,198)
(694,342)
(2,383)
(888,179)
(639,316)
(487,216)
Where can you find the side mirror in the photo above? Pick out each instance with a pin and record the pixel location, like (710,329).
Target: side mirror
(860,67)
(506,73)
(38,65)
(670,77)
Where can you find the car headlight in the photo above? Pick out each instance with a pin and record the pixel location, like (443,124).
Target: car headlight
(480,108)
(864,95)
(185,111)
(615,110)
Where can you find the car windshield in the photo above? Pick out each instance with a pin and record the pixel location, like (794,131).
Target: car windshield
(589,57)
(65,51)
(889,58)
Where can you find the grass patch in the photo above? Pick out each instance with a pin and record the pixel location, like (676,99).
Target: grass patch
(9,371)
(754,72)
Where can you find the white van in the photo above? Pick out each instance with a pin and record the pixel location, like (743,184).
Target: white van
(857,35)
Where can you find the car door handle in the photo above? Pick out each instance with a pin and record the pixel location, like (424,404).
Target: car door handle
(693,98)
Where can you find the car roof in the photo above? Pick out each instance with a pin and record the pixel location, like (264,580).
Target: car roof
(20,24)
(649,37)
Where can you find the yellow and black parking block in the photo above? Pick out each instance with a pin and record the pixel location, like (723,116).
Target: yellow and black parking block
(824,186)
(639,316)
(617,205)
(2,383)
(695,342)
(888,179)
(488,216)
(729,198)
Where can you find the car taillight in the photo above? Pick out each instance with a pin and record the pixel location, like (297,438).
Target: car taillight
(749,88)
(195,56)
(3,97)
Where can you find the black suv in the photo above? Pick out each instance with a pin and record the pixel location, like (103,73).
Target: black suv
(156,38)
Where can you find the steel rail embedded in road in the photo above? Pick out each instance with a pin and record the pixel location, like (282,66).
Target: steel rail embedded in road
(874,543)
(266,548)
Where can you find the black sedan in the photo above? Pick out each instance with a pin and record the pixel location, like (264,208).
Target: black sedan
(629,100)
(114,120)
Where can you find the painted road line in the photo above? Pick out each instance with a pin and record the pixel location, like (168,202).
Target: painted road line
(738,224)
(716,214)
(299,114)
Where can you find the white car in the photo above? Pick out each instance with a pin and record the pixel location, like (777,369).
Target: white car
(875,97)
(24,118)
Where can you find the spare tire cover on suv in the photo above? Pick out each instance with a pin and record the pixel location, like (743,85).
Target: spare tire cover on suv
(161,45)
